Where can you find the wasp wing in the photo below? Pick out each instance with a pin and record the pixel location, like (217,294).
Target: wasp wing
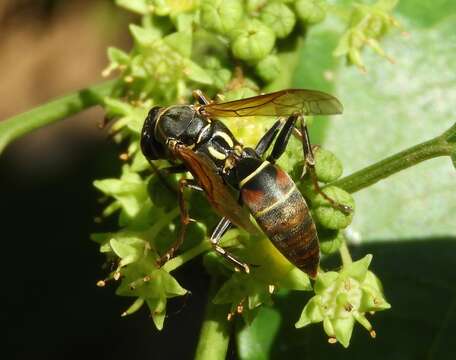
(218,193)
(280,103)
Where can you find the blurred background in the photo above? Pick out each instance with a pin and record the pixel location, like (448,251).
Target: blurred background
(50,305)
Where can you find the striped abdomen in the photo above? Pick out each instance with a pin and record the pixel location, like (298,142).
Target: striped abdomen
(283,215)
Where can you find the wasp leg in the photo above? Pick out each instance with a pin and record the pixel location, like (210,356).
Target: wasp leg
(199,96)
(221,228)
(282,139)
(267,139)
(184,219)
(310,165)
(162,173)
(280,145)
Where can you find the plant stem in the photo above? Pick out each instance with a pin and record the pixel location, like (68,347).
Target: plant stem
(345,254)
(215,332)
(442,145)
(52,111)
(174,263)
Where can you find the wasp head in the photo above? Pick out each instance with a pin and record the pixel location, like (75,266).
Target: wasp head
(150,147)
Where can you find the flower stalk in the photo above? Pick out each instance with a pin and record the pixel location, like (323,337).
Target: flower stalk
(215,331)
(443,145)
(53,111)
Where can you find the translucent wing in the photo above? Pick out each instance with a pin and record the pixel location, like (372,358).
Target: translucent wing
(280,103)
(218,193)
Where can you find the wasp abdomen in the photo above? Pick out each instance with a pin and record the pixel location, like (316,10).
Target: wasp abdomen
(283,215)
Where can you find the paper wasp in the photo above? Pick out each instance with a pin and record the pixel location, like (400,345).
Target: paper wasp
(232,175)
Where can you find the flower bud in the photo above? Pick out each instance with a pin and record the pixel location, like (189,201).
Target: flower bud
(311,11)
(279,18)
(326,214)
(330,240)
(239,93)
(221,15)
(268,69)
(327,166)
(254,6)
(253,41)
(220,75)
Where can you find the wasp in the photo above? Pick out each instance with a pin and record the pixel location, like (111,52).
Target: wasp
(237,180)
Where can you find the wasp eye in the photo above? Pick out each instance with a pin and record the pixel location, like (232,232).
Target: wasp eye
(150,147)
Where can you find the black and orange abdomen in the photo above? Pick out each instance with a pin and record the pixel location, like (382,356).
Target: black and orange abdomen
(283,215)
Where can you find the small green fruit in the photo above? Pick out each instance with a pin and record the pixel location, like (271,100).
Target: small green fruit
(311,11)
(268,68)
(221,15)
(279,18)
(253,41)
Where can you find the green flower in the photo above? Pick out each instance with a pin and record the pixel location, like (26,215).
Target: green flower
(368,23)
(342,299)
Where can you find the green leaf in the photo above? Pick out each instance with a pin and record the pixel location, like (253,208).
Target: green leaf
(318,69)
(426,13)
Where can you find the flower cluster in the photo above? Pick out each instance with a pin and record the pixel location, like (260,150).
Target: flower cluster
(367,25)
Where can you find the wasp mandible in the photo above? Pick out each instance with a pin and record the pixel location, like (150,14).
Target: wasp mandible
(232,175)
